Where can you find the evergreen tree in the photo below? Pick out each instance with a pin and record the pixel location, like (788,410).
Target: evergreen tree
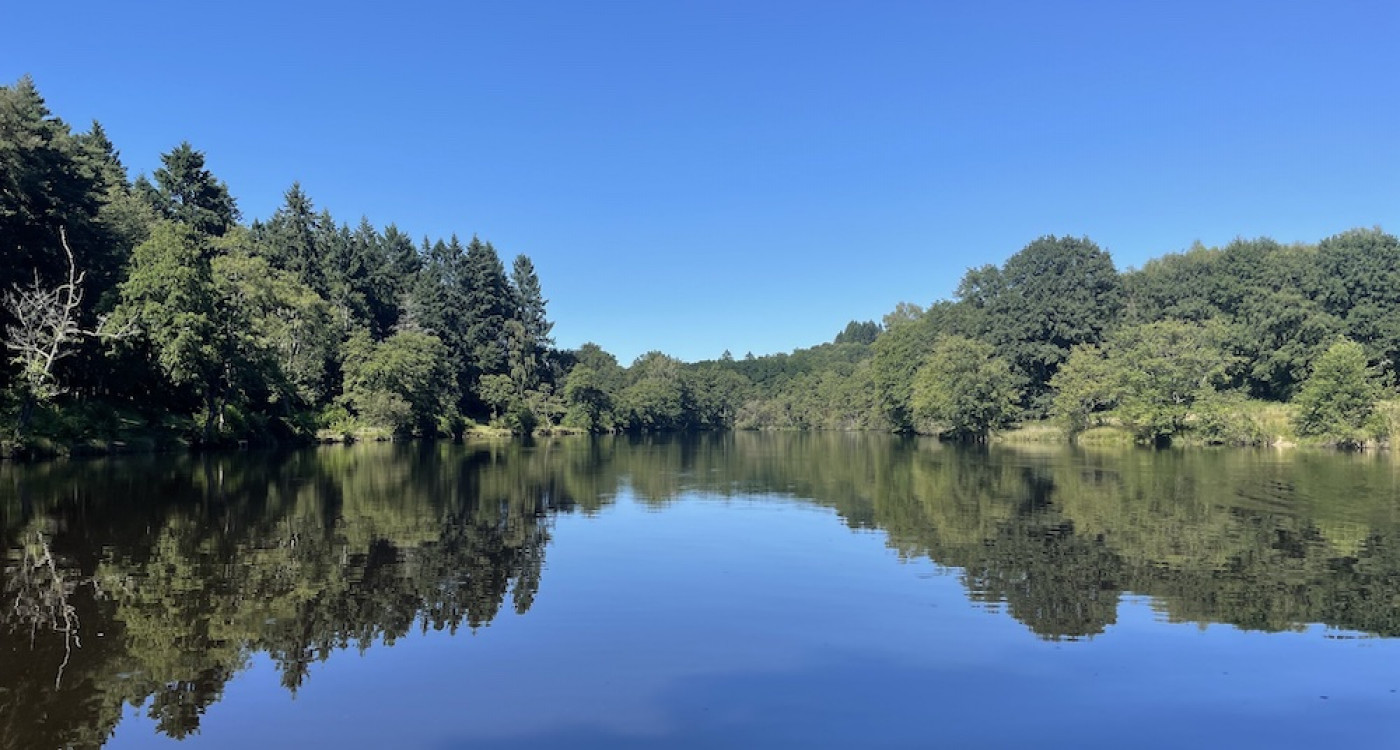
(54,183)
(856,332)
(489,304)
(345,268)
(531,302)
(290,237)
(186,192)
(438,305)
(535,342)
(374,286)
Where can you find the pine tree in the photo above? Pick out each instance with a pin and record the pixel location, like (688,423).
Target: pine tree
(530,311)
(438,305)
(489,304)
(289,239)
(186,192)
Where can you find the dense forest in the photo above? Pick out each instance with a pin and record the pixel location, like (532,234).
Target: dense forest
(146,311)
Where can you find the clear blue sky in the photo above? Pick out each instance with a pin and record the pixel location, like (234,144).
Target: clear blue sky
(702,176)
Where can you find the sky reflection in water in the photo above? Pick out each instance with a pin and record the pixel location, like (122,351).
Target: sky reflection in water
(713,597)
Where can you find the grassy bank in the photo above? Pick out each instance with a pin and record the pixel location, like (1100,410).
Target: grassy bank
(1237,422)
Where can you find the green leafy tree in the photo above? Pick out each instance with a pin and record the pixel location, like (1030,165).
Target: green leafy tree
(897,355)
(587,400)
(1056,293)
(1149,377)
(964,389)
(591,389)
(1359,280)
(657,399)
(499,393)
(716,393)
(1338,400)
(1085,389)
(1267,293)
(169,294)
(522,358)
(286,337)
(401,383)
(1161,369)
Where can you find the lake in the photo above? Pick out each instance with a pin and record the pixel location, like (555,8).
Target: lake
(741,590)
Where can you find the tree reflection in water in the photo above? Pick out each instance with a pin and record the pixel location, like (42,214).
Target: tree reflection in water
(152,581)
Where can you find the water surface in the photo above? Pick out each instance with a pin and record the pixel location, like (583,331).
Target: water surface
(740,590)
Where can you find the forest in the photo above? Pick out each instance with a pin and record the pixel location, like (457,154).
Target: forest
(147,313)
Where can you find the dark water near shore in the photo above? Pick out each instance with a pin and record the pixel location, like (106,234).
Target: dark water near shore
(739,590)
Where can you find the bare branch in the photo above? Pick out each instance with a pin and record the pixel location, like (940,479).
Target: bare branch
(46,326)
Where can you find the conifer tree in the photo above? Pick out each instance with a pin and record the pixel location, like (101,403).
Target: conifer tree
(489,304)
(186,192)
(530,311)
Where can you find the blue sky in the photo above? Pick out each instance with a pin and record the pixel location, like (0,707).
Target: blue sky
(702,176)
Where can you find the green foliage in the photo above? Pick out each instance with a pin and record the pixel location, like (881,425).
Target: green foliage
(1159,371)
(284,336)
(1270,295)
(187,193)
(401,383)
(657,399)
(489,304)
(169,293)
(498,392)
(964,389)
(716,394)
(1148,377)
(1338,400)
(898,353)
(1085,389)
(1230,418)
(1359,283)
(54,181)
(1055,294)
(858,333)
(530,306)
(588,400)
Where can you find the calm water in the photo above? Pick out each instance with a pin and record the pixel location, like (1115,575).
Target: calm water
(745,590)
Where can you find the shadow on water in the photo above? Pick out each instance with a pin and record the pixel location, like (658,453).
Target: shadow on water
(151,581)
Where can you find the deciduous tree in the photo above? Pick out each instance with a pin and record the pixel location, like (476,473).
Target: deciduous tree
(964,389)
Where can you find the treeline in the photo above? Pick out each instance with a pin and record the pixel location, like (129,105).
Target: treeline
(146,307)
(1237,345)
(1245,344)
(146,302)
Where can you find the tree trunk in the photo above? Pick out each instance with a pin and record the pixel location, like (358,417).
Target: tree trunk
(26,413)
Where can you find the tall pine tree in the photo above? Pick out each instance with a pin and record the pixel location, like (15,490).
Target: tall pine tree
(489,304)
(186,192)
